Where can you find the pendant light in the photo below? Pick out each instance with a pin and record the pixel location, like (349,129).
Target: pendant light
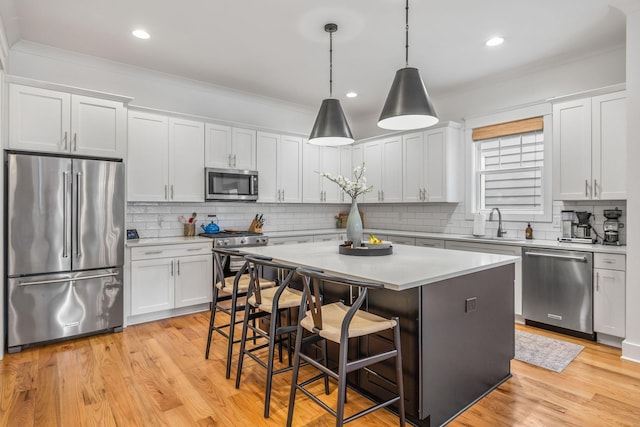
(408,105)
(331,127)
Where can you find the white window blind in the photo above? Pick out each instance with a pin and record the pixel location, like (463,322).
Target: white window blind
(510,171)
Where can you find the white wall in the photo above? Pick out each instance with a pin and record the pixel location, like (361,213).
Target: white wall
(157,90)
(631,345)
(507,91)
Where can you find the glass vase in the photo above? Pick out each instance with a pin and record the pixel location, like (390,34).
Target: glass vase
(354,225)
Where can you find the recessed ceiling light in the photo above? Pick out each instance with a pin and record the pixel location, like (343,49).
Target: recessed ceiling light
(141,34)
(351,94)
(495,41)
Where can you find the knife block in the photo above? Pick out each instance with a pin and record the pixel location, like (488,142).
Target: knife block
(255,227)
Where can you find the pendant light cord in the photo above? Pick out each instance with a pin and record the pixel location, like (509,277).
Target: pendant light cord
(406,46)
(331,64)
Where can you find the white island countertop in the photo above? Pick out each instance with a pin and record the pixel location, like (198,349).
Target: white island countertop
(407,267)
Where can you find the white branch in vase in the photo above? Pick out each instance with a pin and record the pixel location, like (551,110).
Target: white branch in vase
(352,188)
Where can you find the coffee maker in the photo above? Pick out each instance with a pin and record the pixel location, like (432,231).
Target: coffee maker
(567,225)
(612,226)
(576,231)
(583,228)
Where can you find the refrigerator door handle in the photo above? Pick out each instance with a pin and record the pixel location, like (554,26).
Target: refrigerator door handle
(65,184)
(78,181)
(70,279)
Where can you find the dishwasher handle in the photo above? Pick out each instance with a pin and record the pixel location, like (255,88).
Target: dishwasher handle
(553,255)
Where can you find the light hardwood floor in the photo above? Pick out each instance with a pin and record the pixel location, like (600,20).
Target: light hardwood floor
(155,374)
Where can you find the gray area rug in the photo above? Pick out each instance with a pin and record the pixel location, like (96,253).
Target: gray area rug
(548,353)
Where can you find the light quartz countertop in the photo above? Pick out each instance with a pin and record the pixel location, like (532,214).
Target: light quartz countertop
(168,241)
(407,267)
(538,243)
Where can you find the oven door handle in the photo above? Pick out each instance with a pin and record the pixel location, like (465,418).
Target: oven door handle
(567,257)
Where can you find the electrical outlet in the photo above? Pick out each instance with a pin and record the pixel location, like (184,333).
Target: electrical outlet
(470,304)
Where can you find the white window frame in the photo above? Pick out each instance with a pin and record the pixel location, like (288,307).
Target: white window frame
(472,189)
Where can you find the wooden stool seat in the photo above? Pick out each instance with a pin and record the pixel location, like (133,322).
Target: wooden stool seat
(333,315)
(287,299)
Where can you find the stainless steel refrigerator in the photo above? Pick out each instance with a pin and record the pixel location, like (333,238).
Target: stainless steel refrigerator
(64,247)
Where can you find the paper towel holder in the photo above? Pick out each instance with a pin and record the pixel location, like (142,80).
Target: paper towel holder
(479,221)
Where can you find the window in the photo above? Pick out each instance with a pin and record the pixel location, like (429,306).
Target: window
(510,171)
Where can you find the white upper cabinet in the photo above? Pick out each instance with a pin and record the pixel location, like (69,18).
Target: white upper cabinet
(316,159)
(383,163)
(279,168)
(229,147)
(589,141)
(609,171)
(51,121)
(165,159)
(186,164)
(431,165)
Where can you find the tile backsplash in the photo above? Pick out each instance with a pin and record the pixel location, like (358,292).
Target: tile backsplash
(161,219)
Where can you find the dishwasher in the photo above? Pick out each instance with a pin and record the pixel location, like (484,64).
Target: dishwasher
(557,290)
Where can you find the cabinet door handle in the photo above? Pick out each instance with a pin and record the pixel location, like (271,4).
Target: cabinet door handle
(597,281)
(595,188)
(65,177)
(171,191)
(172,267)
(234,160)
(229,161)
(65,139)
(586,188)
(166,189)
(75,141)
(282,195)
(178,261)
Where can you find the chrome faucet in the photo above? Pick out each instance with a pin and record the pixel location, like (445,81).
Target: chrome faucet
(500,232)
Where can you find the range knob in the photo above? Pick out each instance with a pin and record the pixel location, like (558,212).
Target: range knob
(226,242)
(243,241)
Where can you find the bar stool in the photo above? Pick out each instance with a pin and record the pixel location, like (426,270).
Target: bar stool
(228,298)
(338,322)
(268,303)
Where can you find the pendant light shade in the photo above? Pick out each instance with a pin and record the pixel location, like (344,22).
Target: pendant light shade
(330,127)
(408,105)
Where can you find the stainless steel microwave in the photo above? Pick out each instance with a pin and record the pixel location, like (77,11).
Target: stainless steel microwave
(230,184)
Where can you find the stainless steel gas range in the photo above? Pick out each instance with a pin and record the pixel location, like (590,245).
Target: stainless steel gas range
(237,239)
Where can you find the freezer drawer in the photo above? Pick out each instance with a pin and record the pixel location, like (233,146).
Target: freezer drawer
(54,306)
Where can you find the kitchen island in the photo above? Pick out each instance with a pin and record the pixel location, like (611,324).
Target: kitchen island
(456,319)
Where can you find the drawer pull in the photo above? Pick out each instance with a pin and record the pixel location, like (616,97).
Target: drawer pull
(197,249)
(153,252)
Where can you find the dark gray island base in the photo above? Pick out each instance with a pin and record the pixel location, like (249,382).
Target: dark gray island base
(457,329)
(451,357)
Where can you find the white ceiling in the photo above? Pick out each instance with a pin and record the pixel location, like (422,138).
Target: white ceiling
(278,48)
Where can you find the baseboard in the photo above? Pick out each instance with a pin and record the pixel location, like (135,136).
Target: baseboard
(609,340)
(631,351)
(165,314)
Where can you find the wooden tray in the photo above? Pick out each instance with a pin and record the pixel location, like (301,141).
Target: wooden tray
(364,251)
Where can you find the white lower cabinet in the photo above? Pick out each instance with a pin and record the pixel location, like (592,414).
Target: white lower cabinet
(430,243)
(288,240)
(502,250)
(400,240)
(609,294)
(170,276)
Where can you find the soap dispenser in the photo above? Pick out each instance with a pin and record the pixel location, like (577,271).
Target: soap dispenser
(528,232)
